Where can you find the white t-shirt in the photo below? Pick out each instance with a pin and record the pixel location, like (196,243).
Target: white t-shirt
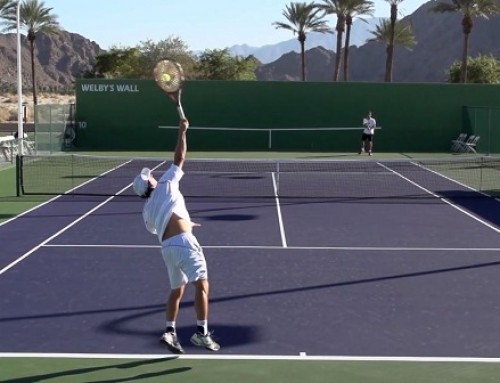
(165,200)
(369,125)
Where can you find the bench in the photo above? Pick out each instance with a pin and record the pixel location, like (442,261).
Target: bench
(8,146)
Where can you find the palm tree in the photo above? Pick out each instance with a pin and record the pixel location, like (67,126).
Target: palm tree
(337,7)
(35,18)
(469,9)
(392,35)
(302,18)
(6,6)
(400,34)
(354,8)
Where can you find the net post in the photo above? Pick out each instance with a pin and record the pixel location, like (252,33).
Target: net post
(270,139)
(18,175)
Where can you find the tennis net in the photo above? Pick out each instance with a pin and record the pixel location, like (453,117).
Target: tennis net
(411,178)
(230,138)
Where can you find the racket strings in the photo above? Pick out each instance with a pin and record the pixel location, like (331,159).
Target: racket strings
(169,76)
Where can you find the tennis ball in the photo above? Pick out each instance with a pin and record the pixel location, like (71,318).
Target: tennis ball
(165,77)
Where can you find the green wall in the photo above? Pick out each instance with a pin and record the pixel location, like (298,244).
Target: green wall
(126,114)
(484,122)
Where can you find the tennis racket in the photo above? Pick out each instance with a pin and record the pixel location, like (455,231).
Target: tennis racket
(169,76)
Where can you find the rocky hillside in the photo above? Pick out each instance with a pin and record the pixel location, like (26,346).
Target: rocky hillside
(439,43)
(58,59)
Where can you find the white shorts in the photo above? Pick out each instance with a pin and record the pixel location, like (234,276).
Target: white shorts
(184,259)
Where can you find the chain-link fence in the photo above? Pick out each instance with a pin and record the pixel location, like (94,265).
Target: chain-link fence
(54,127)
(484,121)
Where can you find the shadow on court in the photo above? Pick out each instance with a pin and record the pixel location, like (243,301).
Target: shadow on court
(118,325)
(132,376)
(129,321)
(228,335)
(484,207)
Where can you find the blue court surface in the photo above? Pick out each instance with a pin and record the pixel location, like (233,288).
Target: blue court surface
(341,273)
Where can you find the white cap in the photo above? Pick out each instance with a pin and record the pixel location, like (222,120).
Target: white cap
(141,182)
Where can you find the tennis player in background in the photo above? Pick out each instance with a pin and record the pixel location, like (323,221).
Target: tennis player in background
(369,125)
(165,215)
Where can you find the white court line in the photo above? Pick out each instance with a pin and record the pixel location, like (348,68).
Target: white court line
(27,254)
(280,219)
(454,181)
(445,200)
(343,248)
(30,210)
(418,359)
(59,196)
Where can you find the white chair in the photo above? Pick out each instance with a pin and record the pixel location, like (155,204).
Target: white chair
(8,147)
(462,146)
(457,144)
(470,146)
(28,144)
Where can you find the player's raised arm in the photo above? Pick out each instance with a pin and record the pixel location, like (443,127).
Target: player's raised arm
(181,145)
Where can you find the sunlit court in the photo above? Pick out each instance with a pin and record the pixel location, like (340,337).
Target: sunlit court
(382,259)
(211,205)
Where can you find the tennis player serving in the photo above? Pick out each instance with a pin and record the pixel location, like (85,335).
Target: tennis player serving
(165,214)
(369,125)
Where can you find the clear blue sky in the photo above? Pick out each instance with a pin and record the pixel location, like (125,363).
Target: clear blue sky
(200,24)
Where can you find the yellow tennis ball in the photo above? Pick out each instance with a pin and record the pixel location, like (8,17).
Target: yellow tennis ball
(165,77)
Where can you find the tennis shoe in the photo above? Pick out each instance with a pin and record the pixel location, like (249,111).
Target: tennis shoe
(172,342)
(206,341)
(370,153)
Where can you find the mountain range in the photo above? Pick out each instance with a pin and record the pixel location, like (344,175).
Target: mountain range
(62,57)
(439,43)
(268,53)
(59,58)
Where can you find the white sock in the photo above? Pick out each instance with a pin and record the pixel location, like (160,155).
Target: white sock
(202,325)
(170,325)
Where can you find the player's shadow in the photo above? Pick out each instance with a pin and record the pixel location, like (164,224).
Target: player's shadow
(228,335)
(134,374)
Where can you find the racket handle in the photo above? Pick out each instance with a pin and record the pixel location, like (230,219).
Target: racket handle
(181,112)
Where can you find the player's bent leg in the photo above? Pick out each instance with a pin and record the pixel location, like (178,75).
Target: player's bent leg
(200,339)
(170,337)
(173,302)
(201,298)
